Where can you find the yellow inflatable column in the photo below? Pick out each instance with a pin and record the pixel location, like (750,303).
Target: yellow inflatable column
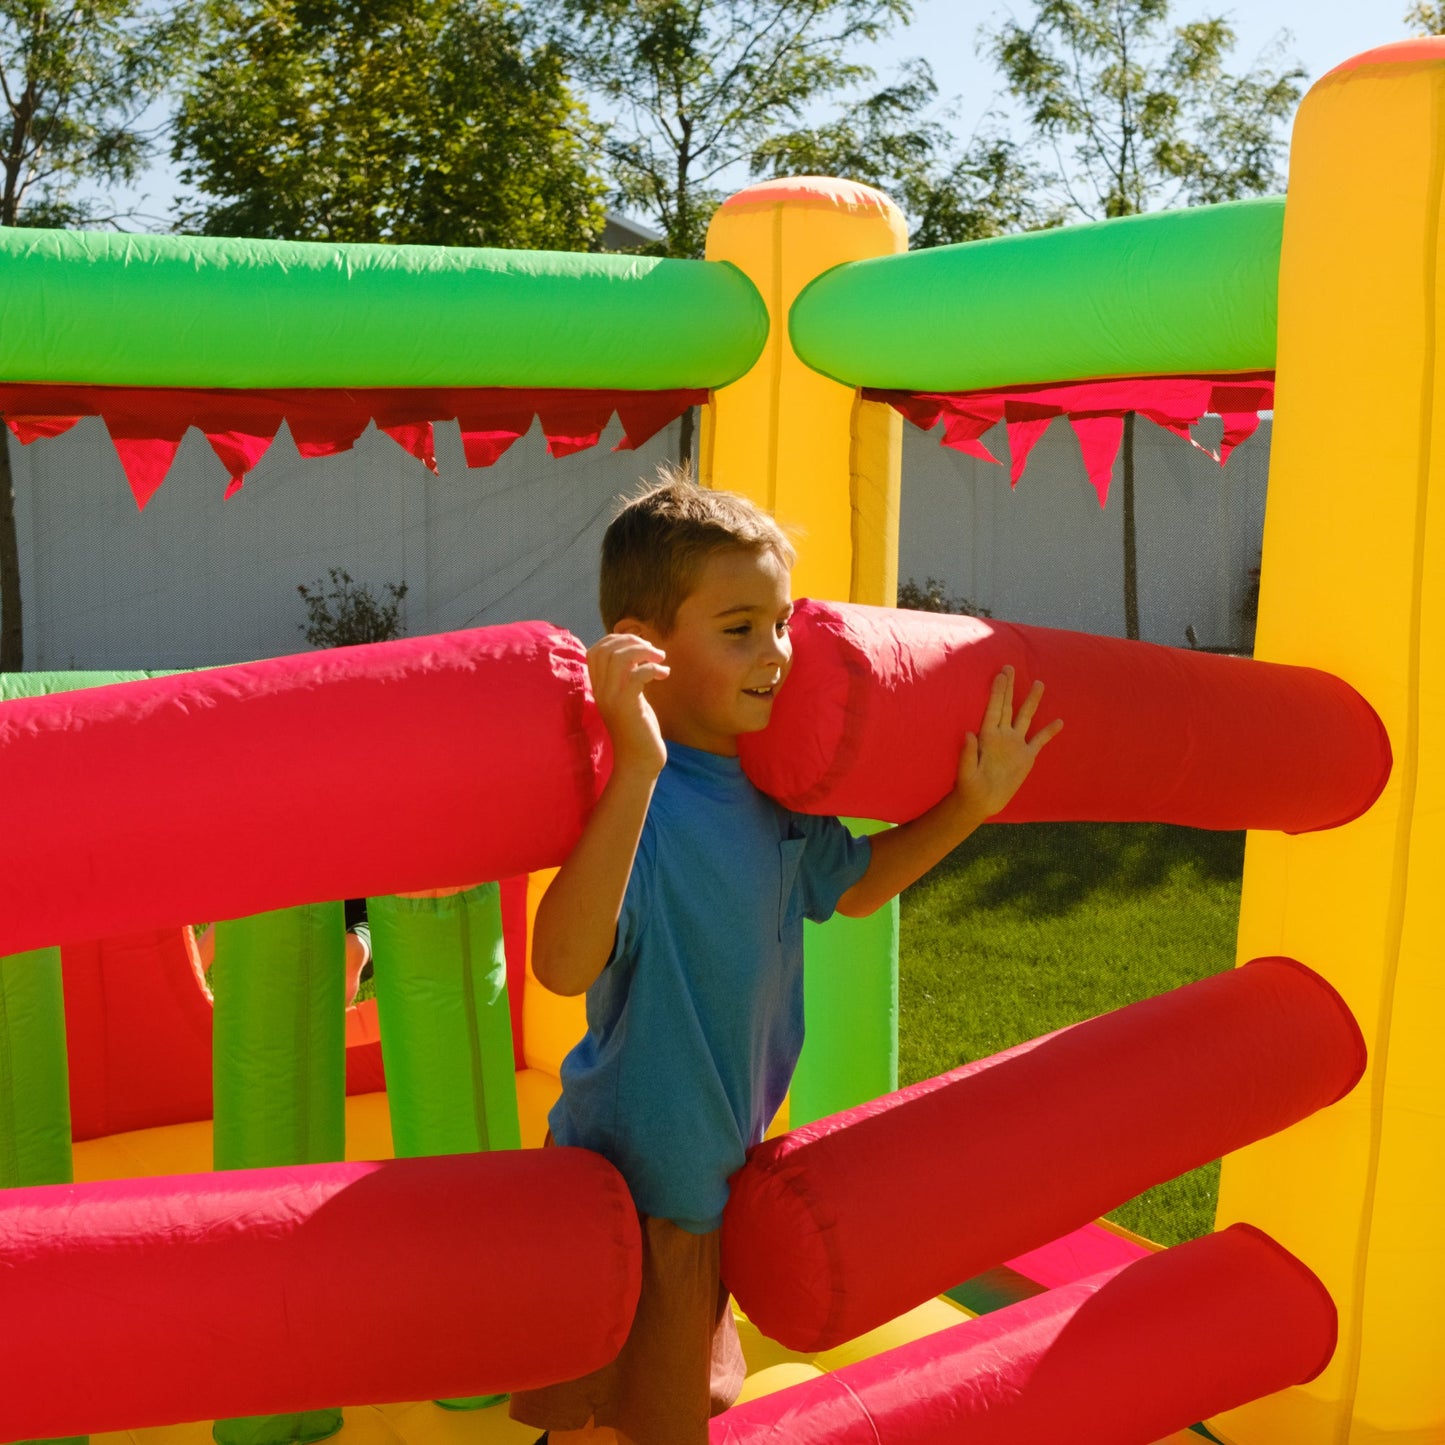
(1354,582)
(803,446)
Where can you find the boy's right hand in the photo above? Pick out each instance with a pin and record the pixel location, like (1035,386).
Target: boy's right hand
(621,666)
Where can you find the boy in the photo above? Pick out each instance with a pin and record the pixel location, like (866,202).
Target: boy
(680,913)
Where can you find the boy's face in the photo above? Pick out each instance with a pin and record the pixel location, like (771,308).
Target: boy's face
(728,652)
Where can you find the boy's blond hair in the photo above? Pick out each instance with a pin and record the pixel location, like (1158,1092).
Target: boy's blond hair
(657,545)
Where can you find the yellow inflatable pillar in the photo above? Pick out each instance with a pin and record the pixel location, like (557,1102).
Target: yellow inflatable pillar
(821,460)
(1354,582)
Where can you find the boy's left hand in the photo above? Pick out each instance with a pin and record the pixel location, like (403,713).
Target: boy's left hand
(996,760)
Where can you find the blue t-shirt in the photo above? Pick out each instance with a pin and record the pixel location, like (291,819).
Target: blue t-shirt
(695,1024)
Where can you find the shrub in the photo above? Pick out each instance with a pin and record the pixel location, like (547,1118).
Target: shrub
(350,613)
(933,597)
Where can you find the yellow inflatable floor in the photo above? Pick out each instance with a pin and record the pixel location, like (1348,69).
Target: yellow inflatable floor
(186,1149)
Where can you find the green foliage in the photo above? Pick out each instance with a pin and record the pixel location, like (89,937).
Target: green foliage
(1146,110)
(1029,927)
(892,141)
(77,78)
(700,87)
(1427,17)
(933,597)
(442,122)
(350,613)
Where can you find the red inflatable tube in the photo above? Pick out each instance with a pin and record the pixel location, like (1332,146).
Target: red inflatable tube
(471,755)
(1124,1358)
(841,1225)
(873,717)
(155,1301)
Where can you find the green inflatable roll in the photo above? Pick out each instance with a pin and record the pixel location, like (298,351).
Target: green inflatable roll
(279,1073)
(850,1043)
(137,310)
(1174,292)
(15,685)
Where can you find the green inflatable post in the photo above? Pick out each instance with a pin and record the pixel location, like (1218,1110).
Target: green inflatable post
(34,1079)
(850,1049)
(279,1044)
(446,1029)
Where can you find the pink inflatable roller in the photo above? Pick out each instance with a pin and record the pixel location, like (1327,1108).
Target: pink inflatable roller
(872,720)
(1124,1358)
(156,1301)
(469,756)
(843,1224)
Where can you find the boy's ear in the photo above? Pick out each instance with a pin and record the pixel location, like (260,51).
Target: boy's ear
(638,628)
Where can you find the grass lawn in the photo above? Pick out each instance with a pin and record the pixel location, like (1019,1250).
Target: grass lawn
(1028,927)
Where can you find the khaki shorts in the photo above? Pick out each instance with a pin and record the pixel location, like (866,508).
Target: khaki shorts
(681,1364)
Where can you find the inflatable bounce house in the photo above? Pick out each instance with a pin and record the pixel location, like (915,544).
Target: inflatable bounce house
(227,1220)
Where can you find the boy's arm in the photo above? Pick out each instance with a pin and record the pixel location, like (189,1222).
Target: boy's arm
(576,920)
(991,769)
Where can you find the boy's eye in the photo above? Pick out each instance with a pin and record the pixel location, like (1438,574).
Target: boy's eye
(784,626)
(741,630)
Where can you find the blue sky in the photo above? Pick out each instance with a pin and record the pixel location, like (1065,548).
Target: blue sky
(1320,33)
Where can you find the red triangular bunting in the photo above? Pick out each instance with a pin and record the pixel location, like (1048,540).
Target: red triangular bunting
(645,416)
(417,438)
(962,431)
(485,446)
(28,429)
(146,461)
(1099,438)
(1022,436)
(573,424)
(239,452)
(1239,426)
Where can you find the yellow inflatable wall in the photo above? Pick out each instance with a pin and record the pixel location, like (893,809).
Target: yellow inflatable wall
(1354,582)
(823,462)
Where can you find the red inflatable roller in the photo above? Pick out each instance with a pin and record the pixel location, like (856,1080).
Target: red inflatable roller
(473,756)
(843,1224)
(155,1301)
(872,720)
(1123,1358)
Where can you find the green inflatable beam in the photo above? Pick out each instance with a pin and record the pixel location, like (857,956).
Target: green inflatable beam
(850,1043)
(16,685)
(1191,291)
(446,1029)
(136,310)
(279,1074)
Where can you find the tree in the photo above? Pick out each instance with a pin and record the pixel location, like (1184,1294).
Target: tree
(443,122)
(699,90)
(1143,114)
(76,78)
(1427,16)
(890,140)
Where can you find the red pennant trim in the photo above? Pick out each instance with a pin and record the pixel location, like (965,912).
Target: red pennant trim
(1023,436)
(29,429)
(573,424)
(1095,408)
(1239,426)
(645,416)
(417,438)
(1099,438)
(325,421)
(145,460)
(239,452)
